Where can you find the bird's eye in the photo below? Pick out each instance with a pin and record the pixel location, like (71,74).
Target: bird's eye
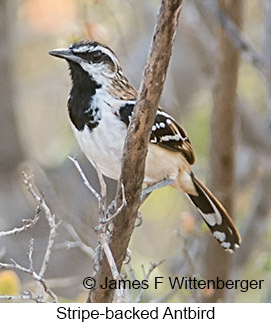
(96,57)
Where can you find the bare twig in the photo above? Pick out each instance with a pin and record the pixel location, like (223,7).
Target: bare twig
(112,208)
(103,235)
(78,241)
(102,201)
(132,271)
(28,224)
(50,218)
(106,217)
(147,276)
(30,254)
(27,295)
(52,234)
(31,272)
(119,293)
(86,182)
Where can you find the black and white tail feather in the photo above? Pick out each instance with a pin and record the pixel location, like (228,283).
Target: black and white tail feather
(215,216)
(100,106)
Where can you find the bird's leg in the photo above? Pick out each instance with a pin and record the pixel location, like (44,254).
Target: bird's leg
(149,189)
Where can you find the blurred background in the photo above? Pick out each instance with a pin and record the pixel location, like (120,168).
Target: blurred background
(35,136)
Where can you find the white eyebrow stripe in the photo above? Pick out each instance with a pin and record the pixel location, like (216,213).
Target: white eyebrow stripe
(82,49)
(88,49)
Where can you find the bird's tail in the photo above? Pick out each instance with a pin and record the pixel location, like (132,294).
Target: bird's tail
(215,216)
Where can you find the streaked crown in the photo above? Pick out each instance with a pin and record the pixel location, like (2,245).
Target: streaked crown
(94,58)
(100,63)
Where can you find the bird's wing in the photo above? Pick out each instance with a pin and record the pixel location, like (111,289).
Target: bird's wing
(166,132)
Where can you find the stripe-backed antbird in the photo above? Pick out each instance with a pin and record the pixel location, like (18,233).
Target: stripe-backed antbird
(100,105)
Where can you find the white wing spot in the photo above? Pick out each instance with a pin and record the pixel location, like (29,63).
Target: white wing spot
(221,236)
(162,125)
(163,113)
(169,121)
(176,137)
(157,125)
(229,251)
(209,218)
(236,246)
(153,128)
(226,245)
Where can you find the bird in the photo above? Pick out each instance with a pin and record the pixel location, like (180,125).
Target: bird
(100,107)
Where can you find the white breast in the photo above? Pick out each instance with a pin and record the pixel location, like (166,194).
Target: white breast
(103,145)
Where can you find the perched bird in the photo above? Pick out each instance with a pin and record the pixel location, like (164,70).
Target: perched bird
(100,106)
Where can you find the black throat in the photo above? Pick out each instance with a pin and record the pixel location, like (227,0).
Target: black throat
(80,101)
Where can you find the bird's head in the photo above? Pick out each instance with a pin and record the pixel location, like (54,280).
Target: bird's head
(91,57)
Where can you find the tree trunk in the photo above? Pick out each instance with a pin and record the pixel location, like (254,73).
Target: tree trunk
(135,150)
(222,147)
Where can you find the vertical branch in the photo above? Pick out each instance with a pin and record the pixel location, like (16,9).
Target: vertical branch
(135,149)
(266,49)
(222,149)
(260,204)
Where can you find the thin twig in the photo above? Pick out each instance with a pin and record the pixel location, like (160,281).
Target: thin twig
(132,271)
(85,180)
(31,272)
(147,276)
(106,217)
(27,224)
(102,201)
(79,243)
(50,218)
(27,295)
(112,206)
(52,234)
(30,254)
(119,293)
(51,240)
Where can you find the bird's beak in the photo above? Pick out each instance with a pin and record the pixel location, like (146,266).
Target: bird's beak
(66,54)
